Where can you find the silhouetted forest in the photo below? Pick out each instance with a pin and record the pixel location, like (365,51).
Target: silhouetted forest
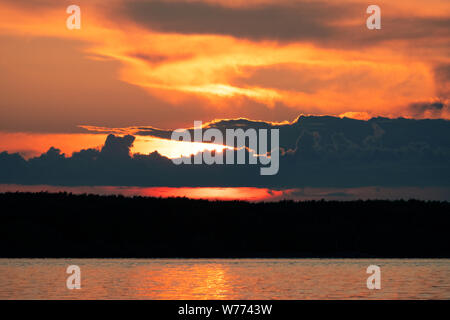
(67,225)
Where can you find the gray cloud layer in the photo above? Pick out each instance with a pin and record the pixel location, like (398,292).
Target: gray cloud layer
(288,22)
(315,21)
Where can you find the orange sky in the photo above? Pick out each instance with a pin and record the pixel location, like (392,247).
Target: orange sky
(168,63)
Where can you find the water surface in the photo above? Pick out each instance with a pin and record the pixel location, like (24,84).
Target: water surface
(224,279)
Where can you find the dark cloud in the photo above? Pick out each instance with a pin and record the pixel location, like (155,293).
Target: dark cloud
(428,109)
(321,22)
(334,133)
(280,22)
(312,21)
(117,147)
(407,28)
(324,152)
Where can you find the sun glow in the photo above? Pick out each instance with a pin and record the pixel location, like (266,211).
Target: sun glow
(173,149)
(214,193)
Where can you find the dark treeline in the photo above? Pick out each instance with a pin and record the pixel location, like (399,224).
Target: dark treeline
(66,225)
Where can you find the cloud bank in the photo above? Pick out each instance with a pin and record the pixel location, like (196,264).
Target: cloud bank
(315,152)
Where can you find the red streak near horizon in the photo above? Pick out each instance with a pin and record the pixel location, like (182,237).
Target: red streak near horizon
(207,193)
(215,193)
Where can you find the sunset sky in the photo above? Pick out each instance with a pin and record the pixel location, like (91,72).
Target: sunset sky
(167,63)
